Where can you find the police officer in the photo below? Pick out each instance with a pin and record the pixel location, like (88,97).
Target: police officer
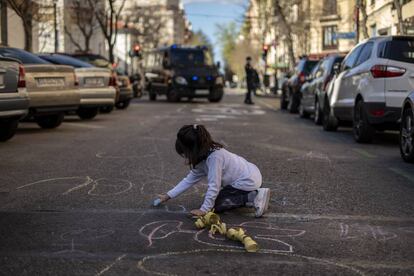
(250,79)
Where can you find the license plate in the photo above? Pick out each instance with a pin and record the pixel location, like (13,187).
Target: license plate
(202,92)
(94,81)
(49,82)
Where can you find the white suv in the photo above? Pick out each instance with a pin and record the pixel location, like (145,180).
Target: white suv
(373,81)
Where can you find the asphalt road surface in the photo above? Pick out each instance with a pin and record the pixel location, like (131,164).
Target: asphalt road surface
(76,200)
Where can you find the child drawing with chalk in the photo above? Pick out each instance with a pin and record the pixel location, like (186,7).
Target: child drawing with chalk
(233,182)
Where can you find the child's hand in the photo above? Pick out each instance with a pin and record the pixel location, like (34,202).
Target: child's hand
(164,197)
(198,212)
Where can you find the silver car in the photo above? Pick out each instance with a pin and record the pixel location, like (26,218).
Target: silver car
(375,78)
(52,89)
(93,84)
(14,102)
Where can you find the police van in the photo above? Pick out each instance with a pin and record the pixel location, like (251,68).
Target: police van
(182,72)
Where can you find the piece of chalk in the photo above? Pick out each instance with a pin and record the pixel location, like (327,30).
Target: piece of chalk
(156,202)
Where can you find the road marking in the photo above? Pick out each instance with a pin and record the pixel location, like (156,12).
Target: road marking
(402,173)
(111,265)
(365,153)
(266,105)
(84,125)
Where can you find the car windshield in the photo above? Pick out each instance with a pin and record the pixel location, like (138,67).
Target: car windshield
(190,57)
(309,65)
(400,50)
(23,56)
(66,60)
(97,61)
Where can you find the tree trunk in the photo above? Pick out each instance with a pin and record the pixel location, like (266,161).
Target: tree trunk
(363,9)
(289,39)
(111,53)
(400,24)
(28,35)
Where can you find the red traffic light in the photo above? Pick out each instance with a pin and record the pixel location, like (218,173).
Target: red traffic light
(265,47)
(137,48)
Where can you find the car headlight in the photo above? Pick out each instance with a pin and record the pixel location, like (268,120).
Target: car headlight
(219,81)
(181,80)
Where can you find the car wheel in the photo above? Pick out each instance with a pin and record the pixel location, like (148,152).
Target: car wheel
(302,113)
(283,102)
(363,131)
(172,96)
(407,136)
(318,113)
(106,109)
(123,104)
(329,122)
(216,96)
(152,94)
(8,129)
(87,113)
(50,121)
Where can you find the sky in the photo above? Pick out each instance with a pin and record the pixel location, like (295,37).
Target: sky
(206,14)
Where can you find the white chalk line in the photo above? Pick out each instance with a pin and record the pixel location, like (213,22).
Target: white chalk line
(141,266)
(51,180)
(84,125)
(111,265)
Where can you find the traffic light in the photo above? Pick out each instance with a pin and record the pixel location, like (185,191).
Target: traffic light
(265,50)
(136,51)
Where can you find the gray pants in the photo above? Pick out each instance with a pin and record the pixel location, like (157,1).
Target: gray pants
(230,198)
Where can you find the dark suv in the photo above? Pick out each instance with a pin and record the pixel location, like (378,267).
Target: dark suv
(179,72)
(290,98)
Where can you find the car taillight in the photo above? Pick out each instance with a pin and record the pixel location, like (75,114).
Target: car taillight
(76,80)
(302,77)
(384,71)
(22,77)
(377,112)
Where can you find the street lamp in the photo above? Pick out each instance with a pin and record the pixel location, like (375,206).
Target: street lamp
(55,25)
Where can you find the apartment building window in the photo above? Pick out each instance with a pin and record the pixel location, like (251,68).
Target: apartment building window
(329,7)
(329,40)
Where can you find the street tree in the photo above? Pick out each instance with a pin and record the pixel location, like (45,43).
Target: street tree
(82,16)
(148,24)
(28,12)
(400,24)
(108,15)
(227,36)
(199,38)
(363,24)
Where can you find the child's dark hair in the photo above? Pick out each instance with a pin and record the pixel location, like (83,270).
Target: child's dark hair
(195,144)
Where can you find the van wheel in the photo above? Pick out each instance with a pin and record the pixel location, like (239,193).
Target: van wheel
(318,113)
(329,122)
(87,113)
(50,121)
(407,136)
(363,131)
(106,109)
(216,96)
(8,129)
(172,96)
(123,104)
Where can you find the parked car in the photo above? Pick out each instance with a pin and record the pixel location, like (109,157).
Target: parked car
(94,84)
(14,102)
(407,129)
(375,78)
(125,92)
(179,72)
(52,89)
(290,97)
(312,97)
